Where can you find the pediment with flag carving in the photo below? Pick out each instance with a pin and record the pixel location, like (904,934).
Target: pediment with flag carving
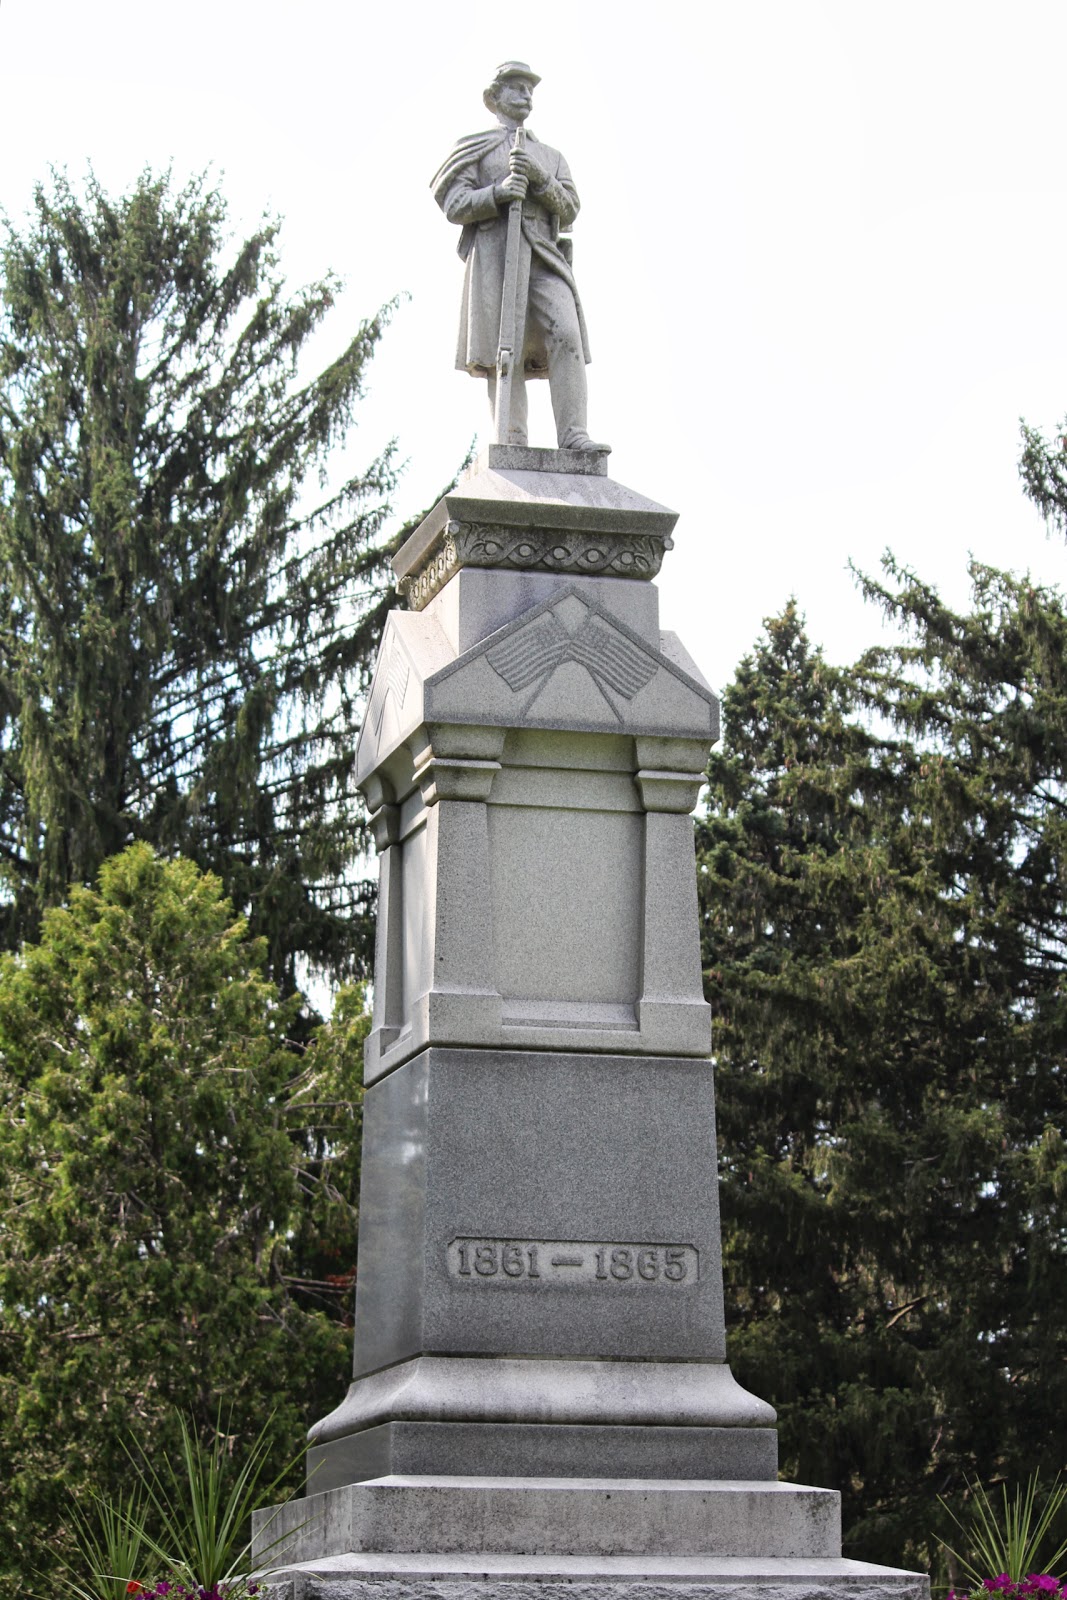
(569,664)
(564,664)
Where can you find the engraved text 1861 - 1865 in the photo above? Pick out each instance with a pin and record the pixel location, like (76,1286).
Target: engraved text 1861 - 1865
(601,1264)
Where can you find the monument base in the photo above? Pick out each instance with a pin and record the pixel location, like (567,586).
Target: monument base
(454,1538)
(530,1450)
(572,1578)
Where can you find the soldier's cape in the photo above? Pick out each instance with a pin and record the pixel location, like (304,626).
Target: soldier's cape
(465,153)
(477,353)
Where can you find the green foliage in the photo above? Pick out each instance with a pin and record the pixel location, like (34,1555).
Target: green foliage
(204,1502)
(882,869)
(110,1548)
(185,629)
(1013,1537)
(1043,469)
(188,1518)
(326,1104)
(159,1141)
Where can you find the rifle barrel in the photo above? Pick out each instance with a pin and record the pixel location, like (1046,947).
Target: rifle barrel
(509,345)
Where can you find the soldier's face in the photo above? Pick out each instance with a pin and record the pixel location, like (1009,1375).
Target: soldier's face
(514,98)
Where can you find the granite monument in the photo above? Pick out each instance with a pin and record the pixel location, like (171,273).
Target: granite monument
(541,1402)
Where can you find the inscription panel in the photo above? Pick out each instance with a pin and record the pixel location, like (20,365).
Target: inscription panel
(600,1264)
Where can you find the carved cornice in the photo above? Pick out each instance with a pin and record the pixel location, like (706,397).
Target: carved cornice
(568,552)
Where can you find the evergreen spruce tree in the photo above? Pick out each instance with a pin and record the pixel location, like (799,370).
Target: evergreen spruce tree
(185,627)
(1043,470)
(881,871)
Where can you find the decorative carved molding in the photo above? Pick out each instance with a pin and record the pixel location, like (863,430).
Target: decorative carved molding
(676,792)
(569,552)
(456,780)
(419,588)
(385,826)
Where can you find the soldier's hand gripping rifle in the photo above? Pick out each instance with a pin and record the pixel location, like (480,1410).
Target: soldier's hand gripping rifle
(512,330)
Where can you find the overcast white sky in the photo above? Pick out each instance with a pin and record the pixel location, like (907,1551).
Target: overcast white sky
(822,251)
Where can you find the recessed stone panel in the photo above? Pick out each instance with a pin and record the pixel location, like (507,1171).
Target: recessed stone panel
(417,905)
(566,889)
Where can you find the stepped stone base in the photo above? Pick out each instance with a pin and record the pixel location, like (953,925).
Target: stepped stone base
(586,1578)
(450,1538)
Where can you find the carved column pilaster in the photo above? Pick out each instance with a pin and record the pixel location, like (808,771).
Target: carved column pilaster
(454,769)
(389,942)
(672,993)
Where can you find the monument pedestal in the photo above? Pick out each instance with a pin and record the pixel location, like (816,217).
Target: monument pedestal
(522,1213)
(455,1538)
(540,1393)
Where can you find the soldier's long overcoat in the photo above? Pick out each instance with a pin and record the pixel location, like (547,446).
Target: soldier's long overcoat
(463,188)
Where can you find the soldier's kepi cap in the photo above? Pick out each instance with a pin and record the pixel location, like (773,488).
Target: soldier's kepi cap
(506,70)
(515,69)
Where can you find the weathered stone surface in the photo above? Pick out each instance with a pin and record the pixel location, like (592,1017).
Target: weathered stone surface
(575,1578)
(458,886)
(526,1390)
(425,1539)
(546,1449)
(604,1517)
(566,663)
(531,458)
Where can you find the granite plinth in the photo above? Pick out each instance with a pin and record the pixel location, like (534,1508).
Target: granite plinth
(484,1577)
(455,1538)
(589,1578)
(538,1450)
(534,458)
(539,1297)
(457,1515)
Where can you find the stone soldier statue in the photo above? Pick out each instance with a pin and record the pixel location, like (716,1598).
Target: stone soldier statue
(476,187)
